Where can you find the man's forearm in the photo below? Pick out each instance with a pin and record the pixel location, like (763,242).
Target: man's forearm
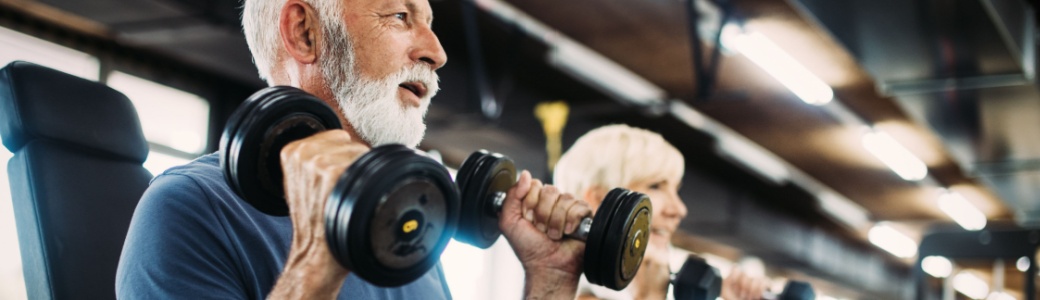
(300,285)
(550,284)
(309,277)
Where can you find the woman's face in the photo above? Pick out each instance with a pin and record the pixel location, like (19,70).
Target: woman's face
(669,209)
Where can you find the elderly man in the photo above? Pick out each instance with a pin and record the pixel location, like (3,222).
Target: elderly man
(374,62)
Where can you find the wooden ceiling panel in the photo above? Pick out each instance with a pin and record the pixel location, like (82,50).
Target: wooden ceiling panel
(647,37)
(650,38)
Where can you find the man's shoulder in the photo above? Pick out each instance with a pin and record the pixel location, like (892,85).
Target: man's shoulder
(202,175)
(191,188)
(205,169)
(192,237)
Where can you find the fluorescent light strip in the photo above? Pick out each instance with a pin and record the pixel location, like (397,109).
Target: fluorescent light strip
(894,155)
(1000,296)
(891,240)
(970,285)
(846,211)
(937,266)
(690,116)
(753,157)
(767,55)
(961,211)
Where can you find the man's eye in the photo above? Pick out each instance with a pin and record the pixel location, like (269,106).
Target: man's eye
(401,16)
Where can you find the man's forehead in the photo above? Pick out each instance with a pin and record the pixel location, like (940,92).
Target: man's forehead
(415,5)
(419,7)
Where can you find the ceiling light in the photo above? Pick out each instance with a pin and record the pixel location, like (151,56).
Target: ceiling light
(753,157)
(937,266)
(767,55)
(894,155)
(1000,296)
(893,241)
(961,211)
(970,285)
(844,210)
(1022,264)
(688,115)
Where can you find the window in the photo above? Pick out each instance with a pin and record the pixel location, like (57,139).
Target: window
(176,123)
(17,46)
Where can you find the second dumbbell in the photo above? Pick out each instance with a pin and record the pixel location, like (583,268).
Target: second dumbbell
(615,238)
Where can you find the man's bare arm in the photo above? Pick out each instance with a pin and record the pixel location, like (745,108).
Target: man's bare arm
(311,167)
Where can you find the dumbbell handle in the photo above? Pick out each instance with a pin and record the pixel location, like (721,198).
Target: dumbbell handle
(581,233)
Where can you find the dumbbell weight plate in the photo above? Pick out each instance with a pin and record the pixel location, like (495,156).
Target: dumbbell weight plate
(636,230)
(618,239)
(398,238)
(254,136)
(594,243)
(797,290)
(481,176)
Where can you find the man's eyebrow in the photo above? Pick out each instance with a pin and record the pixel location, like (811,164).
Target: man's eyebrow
(414,9)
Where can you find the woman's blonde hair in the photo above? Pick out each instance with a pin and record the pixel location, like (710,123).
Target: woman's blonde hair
(616,156)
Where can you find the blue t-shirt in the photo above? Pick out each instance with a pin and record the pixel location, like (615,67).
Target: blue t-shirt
(192,237)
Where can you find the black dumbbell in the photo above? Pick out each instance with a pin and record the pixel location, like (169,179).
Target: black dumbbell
(796,290)
(389,216)
(615,239)
(697,280)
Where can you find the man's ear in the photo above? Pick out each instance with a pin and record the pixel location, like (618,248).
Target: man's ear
(298,28)
(594,196)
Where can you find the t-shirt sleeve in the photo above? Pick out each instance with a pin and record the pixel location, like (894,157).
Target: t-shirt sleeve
(176,247)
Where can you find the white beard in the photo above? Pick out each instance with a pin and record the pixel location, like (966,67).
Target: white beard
(379,117)
(371,105)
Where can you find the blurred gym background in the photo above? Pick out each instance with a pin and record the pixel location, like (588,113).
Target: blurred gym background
(823,138)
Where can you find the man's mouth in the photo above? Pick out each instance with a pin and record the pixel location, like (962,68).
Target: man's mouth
(417,88)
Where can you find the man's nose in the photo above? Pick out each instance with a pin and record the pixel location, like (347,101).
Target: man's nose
(428,48)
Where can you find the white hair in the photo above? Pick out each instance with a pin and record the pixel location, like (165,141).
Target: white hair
(616,156)
(260,20)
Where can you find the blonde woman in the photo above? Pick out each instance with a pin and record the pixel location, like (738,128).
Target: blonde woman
(639,160)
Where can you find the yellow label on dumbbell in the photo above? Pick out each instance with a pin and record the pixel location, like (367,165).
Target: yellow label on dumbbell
(410,226)
(637,243)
